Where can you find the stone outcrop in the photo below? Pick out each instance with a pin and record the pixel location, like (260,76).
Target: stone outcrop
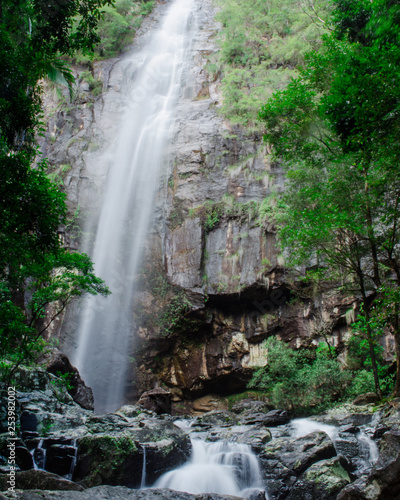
(58,364)
(114,492)
(74,443)
(40,480)
(157,400)
(383,481)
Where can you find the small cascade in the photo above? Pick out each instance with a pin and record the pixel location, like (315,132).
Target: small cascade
(73,461)
(39,456)
(219,467)
(56,455)
(368,449)
(303,426)
(354,444)
(143,481)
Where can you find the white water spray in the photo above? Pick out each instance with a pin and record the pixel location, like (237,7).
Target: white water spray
(220,467)
(106,325)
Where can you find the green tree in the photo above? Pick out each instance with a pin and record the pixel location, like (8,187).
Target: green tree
(301,380)
(336,129)
(35,270)
(262,44)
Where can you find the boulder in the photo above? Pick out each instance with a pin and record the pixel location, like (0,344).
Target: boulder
(39,480)
(157,400)
(112,492)
(365,399)
(216,418)
(296,455)
(58,363)
(323,480)
(255,436)
(23,458)
(115,456)
(249,406)
(383,482)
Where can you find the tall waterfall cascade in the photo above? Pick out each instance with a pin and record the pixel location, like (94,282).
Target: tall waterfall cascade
(105,324)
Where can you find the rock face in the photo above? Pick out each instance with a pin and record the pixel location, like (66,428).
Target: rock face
(211,260)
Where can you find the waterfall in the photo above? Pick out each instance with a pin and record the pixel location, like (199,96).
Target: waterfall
(219,467)
(143,480)
(106,324)
(360,448)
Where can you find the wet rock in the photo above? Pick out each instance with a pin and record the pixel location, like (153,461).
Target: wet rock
(380,431)
(255,436)
(58,364)
(129,411)
(28,422)
(323,480)
(60,459)
(348,429)
(365,399)
(275,418)
(383,481)
(284,459)
(256,495)
(157,400)
(23,458)
(117,457)
(114,492)
(216,418)
(348,415)
(248,406)
(40,480)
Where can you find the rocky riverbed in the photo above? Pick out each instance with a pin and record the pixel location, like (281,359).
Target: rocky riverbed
(66,451)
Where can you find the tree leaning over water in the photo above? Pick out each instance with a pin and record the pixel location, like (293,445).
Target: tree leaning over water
(336,129)
(35,269)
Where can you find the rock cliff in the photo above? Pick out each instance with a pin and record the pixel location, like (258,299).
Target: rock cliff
(213,284)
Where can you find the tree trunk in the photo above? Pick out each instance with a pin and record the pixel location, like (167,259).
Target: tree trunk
(370,338)
(396,392)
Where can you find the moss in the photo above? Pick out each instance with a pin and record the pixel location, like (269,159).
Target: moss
(105,456)
(212,213)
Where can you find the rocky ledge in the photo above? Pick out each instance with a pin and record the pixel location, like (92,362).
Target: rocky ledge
(350,452)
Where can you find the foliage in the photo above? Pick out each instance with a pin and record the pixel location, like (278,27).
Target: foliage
(262,43)
(63,381)
(116,28)
(336,128)
(211,213)
(305,381)
(55,280)
(35,270)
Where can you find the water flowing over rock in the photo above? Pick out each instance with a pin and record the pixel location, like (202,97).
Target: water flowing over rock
(105,326)
(220,467)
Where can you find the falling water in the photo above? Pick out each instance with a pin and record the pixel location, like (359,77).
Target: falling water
(220,467)
(143,481)
(105,327)
(365,450)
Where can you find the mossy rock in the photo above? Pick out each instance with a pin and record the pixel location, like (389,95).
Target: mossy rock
(108,459)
